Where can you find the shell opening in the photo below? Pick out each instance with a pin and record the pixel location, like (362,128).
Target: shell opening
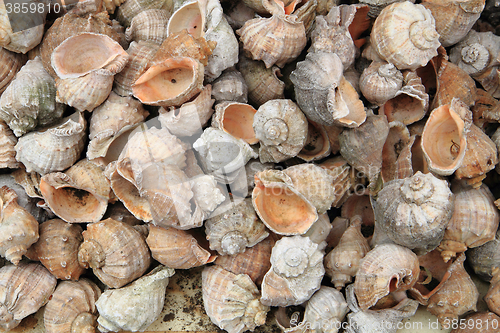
(422,35)
(238,120)
(75,202)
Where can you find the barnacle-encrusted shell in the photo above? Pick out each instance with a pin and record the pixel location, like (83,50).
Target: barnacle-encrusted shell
(404,34)
(57,249)
(415,211)
(7,150)
(296,272)
(136,306)
(380,82)
(30,99)
(148,25)
(236,119)
(116,252)
(11,64)
(232,301)
(72,307)
(55,148)
(23,290)
(18,228)
(385,269)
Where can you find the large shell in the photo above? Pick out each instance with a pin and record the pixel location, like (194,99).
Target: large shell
(55,148)
(23,290)
(30,99)
(385,269)
(72,307)
(148,25)
(380,82)
(404,34)
(232,301)
(415,211)
(236,119)
(11,64)
(7,150)
(18,228)
(116,252)
(296,272)
(136,306)
(57,249)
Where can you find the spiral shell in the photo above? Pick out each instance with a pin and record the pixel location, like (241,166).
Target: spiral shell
(380,82)
(230,86)
(148,25)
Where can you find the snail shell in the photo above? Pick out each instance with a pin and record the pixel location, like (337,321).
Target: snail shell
(230,86)
(148,25)
(11,64)
(317,145)
(127,11)
(483,259)
(72,307)
(236,119)
(326,306)
(7,151)
(191,16)
(296,272)
(380,82)
(398,138)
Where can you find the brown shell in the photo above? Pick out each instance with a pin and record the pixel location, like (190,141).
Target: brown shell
(7,151)
(116,252)
(183,44)
(359,204)
(57,249)
(11,64)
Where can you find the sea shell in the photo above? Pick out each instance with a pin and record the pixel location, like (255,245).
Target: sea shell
(11,64)
(116,252)
(296,272)
(474,222)
(30,99)
(340,170)
(234,228)
(230,86)
(346,107)
(380,82)
(376,6)
(397,140)
(149,26)
(415,211)
(280,206)
(385,269)
(191,16)
(281,128)
(491,297)
(176,248)
(19,229)
(7,150)
(24,289)
(72,307)
(483,259)
(342,263)
(486,109)
(404,34)
(55,148)
(317,145)
(143,300)
(127,11)
(359,204)
(236,119)
(232,301)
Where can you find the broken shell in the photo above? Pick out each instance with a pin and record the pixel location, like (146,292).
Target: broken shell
(30,99)
(11,64)
(72,307)
(234,228)
(317,145)
(232,301)
(346,107)
(191,17)
(281,128)
(380,82)
(19,229)
(404,34)
(143,300)
(296,272)
(116,252)
(149,26)
(385,269)
(176,248)
(280,206)
(230,86)
(7,151)
(342,263)
(236,119)
(415,211)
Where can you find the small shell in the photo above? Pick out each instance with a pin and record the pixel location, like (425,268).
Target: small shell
(380,82)
(296,272)
(236,119)
(404,34)
(136,306)
(7,150)
(55,148)
(57,249)
(230,86)
(280,206)
(281,128)
(116,252)
(342,263)
(385,269)
(317,145)
(176,248)
(72,307)
(11,64)
(232,301)
(234,228)
(191,17)
(149,26)
(19,229)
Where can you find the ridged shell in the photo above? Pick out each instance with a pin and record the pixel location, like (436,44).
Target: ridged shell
(23,290)
(72,307)
(127,11)
(236,119)
(7,150)
(340,170)
(380,82)
(54,149)
(11,64)
(148,26)
(230,86)
(116,252)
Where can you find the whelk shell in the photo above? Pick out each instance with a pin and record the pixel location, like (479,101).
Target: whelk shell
(236,119)
(149,26)
(191,17)
(11,64)
(230,86)
(380,82)
(317,145)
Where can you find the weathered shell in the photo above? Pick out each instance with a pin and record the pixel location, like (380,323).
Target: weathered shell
(376,6)
(57,249)
(149,26)
(404,34)
(397,140)
(232,301)
(127,11)
(30,99)
(191,16)
(415,211)
(342,263)
(280,206)
(136,306)
(230,86)
(23,290)
(491,297)
(346,107)
(380,82)
(474,222)
(296,272)
(489,80)
(55,148)
(116,252)
(19,229)
(7,150)
(236,119)
(176,248)
(11,64)
(483,259)
(72,307)
(385,269)
(317,145)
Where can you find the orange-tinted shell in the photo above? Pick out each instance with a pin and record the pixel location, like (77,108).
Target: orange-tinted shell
(236,119)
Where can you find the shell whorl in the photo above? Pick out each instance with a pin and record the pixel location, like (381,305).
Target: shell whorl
(91,254)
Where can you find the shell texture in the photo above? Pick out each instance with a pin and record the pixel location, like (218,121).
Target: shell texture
(230,86)
(398,138)
(380,82)
(491,297)
(7,151)
(483,259)
(327,308)
(127,11)
(317,145)
(148,25)
(11,64)
(191,16)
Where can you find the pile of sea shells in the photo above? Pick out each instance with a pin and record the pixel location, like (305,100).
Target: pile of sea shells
(335,158)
